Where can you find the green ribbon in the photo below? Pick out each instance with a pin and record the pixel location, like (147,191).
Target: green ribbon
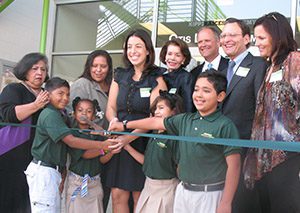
(292,146)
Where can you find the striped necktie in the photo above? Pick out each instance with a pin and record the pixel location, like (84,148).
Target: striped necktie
(84,186)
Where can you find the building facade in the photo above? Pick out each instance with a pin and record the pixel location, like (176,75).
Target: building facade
(77,27)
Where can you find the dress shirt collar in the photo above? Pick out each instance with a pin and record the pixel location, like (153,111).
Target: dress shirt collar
(238,60)
(215,63)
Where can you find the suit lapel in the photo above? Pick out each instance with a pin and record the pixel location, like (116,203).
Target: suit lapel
(201,67)
(236,79)
(197,70)
(223,64)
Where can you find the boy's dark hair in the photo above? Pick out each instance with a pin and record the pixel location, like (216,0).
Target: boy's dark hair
(26,63)
(55,83)
(94,103)
(173,101)
(217,79)
(184,48)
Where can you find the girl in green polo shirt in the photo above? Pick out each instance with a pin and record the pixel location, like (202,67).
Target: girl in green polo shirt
(84,191)
(160,161)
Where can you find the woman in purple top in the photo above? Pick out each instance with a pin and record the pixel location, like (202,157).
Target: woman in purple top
(20,103)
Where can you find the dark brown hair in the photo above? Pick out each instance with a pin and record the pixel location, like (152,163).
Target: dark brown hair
(216,78)
(145,37)
(244,27)
(55,83)
(89,63)
(26,63)
(173,101)
(183,48)
(281,32)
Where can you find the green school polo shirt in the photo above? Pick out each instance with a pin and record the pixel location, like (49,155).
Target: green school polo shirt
(47,145)
(81,166)
(202,163)
(159,161)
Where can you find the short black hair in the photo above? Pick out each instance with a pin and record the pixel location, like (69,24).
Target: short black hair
(26,63)
(217,79)
(55,83)
(78,100)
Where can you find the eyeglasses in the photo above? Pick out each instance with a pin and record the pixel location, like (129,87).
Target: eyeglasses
(230,35)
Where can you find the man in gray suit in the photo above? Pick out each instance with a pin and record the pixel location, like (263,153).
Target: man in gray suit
(245,74)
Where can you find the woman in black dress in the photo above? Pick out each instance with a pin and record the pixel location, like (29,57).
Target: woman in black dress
(176,55)
(132,91)
(20,103)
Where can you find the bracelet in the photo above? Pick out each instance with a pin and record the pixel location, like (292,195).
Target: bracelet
(102,152)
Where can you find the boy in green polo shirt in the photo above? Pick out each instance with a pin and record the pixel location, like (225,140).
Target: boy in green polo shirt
(209,173)
(49,149)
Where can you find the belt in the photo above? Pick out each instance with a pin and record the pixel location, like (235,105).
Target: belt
(46,164)
(83,188)
(205,187)
(96,177)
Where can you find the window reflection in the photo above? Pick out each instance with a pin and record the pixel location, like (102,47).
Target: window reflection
(184,18)
(85,26)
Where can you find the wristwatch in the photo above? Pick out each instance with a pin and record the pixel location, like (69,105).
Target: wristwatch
(125,124)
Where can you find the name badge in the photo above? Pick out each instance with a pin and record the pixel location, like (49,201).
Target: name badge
(276,76)
(173,90)
(242,71)
(161,144)
(207,135)
(145,92)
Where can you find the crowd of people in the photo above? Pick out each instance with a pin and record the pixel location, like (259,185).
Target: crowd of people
(239,96)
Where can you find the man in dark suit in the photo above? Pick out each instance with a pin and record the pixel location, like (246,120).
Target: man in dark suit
(208,44)
(244,80)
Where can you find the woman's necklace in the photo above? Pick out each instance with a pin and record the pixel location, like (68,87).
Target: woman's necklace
(35,92)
